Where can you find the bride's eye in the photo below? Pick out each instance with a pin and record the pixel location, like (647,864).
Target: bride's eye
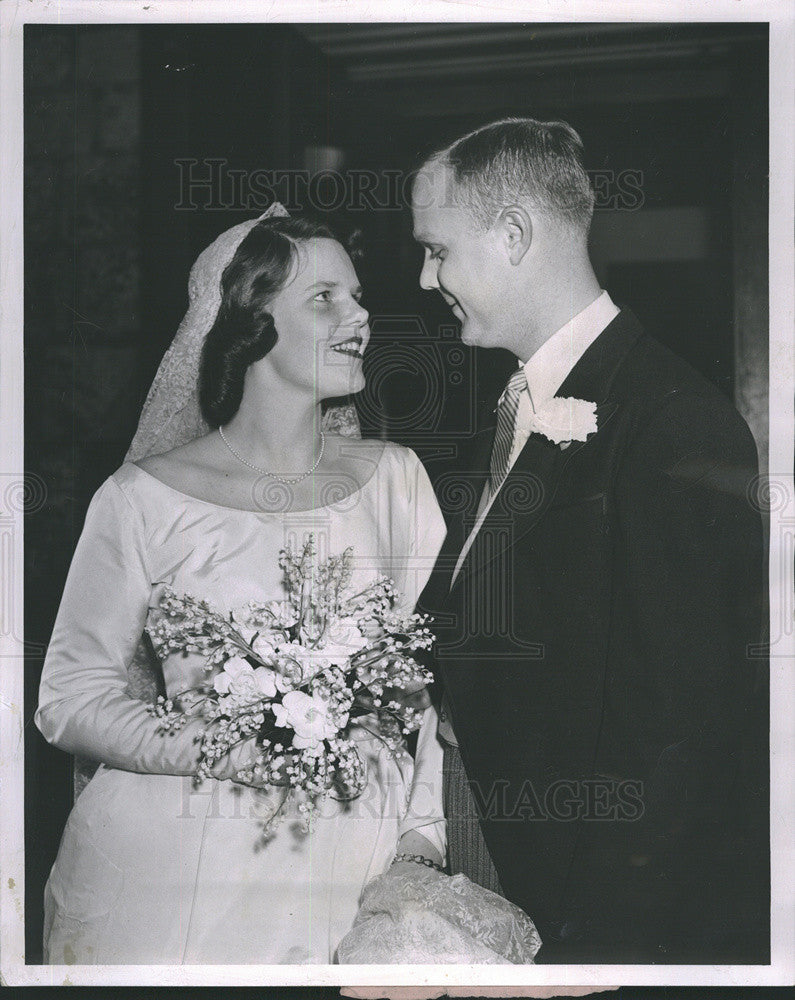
(324,296)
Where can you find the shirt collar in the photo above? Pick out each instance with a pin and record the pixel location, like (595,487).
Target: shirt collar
(551,364)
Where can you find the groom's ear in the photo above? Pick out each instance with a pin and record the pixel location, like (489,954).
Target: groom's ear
(518,231)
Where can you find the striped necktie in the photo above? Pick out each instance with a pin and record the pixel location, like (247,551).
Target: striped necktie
(507,408)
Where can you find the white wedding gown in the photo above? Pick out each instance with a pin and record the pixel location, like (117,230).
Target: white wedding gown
(151,870)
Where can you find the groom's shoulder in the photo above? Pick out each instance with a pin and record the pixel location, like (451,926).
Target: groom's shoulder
(651,371)
(664,396)
(652,375)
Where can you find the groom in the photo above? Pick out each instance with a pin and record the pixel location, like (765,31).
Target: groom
(596,602)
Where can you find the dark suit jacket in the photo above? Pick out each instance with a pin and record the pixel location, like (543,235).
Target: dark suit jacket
(600,652)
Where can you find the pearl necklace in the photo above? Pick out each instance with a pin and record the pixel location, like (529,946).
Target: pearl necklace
(287,480)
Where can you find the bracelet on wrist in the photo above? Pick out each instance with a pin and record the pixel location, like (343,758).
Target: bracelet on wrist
(418,859)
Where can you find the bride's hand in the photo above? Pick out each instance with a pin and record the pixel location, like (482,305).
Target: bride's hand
(183,674)
(278,779)
(240,759)
(413,842)
(415,696)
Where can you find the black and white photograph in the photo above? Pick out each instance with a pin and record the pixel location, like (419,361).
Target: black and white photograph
(397,508)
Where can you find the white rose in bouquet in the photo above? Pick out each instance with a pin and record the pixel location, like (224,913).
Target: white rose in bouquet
(236,676)
(310,718)
(343,639)
(241,680)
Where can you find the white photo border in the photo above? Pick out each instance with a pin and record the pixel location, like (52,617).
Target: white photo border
(14,14)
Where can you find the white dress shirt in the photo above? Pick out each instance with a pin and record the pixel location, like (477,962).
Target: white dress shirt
(546,372)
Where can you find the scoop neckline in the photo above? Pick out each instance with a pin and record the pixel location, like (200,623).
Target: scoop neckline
(266,513)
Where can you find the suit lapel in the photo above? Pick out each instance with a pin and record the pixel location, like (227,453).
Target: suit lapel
(532,483)
(481,459)
(529,487)
(466,488)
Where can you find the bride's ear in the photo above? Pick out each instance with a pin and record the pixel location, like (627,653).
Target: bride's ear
(517,229)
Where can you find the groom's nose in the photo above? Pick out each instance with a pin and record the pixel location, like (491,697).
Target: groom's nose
(428,278)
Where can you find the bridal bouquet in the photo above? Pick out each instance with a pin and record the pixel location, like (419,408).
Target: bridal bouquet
(297,674)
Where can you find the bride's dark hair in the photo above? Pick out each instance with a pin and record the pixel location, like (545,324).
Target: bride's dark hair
(244,331)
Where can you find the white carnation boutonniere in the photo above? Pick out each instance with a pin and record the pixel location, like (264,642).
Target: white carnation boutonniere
(565,419)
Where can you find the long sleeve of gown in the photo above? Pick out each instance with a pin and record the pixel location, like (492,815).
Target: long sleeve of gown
(84,704)
(425,812)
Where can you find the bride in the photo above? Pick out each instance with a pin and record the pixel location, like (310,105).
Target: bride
(231,463)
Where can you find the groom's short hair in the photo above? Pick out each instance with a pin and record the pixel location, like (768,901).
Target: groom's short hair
(516,160)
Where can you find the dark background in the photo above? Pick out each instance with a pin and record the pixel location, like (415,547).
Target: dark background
(674,121)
